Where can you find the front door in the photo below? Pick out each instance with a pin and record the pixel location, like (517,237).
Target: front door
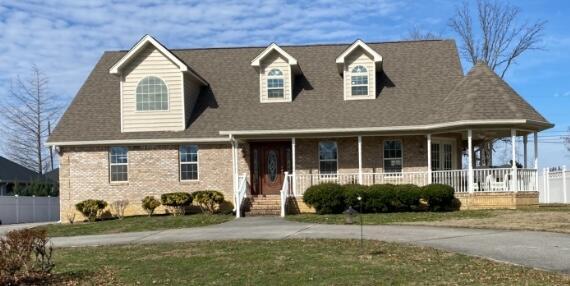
(269,161)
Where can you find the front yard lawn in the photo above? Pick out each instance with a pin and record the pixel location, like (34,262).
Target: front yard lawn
(392,218)
(286,262)
(544,218)
(136,223)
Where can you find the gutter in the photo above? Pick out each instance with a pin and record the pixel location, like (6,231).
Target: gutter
(427,127)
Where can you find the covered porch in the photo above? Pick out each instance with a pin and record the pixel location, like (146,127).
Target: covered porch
(451,157)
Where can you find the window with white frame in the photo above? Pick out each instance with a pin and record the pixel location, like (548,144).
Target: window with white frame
(275,84)
(188,162)
(393,160)
(119,164)
(152,94)
(359,81)
(328,158)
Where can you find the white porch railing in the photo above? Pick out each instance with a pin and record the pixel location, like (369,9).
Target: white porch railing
(285,192)
(484,180)
(240,194)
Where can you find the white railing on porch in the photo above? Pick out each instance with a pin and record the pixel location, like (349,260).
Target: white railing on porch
(240,194)
(484,180)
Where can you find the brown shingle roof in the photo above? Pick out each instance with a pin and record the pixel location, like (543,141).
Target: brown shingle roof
(417,77)
(482,94)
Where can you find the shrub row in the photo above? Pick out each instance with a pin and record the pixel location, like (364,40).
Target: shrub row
(330,198)
(208,201)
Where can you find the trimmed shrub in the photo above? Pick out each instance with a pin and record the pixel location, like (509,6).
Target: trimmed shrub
(91,209)
(379,198)
(326,198)
(406,198)
(118,208)
(209,201)
(439,197)
(25,257)
(351,194)
(149,204)
(176,202)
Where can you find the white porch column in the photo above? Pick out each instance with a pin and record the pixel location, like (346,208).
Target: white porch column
(235,164)
(514,187)
(536,151)
(429,158)
(293,167)
(470,160)
(525,156)
(360,160)
(535,162)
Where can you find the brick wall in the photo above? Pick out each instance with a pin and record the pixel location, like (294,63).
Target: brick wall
(153,170)
(414,154)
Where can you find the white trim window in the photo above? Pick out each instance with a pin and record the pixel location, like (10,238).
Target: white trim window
(359,81)
(188,162)
(119,164)
(275,84)
(328,158)
(443,155)
(393,159)
(152,94)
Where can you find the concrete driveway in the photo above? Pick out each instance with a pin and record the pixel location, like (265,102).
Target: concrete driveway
(543,250)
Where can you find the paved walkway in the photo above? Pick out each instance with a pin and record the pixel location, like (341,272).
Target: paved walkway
(544,250)
(9,227)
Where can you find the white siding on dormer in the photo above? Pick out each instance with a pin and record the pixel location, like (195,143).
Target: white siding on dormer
(149,62)
(275,60)
(356,58)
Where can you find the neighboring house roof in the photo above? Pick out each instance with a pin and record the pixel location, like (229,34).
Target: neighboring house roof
(415,82)
(52,175)
(13,172)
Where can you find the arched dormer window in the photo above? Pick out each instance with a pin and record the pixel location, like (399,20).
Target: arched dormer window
(275,84)
(152,94)
(359,81)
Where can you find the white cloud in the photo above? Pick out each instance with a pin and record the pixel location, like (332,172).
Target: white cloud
(66,37)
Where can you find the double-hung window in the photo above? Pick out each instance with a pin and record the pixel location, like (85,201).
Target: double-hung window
(275,84)
(393,160)
(119,164)
(328,158)
(359,81)
(188,162)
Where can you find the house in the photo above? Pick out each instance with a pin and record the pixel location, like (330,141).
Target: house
(261,122)
(12,173)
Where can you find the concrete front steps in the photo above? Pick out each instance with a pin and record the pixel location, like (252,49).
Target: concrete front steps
(268,205)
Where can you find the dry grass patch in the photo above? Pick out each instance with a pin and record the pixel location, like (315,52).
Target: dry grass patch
(541,219)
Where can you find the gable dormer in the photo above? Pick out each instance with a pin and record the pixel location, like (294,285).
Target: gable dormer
(158,91)
(358,66)
(277,70)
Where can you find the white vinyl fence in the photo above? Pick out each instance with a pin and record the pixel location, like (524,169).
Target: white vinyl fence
(555,186)
(15,209)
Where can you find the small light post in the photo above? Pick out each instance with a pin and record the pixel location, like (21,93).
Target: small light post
(361,228)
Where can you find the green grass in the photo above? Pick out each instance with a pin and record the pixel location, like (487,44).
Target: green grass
(286,262)
(390,218)
(136,223)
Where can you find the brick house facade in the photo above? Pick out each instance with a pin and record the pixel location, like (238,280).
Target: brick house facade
(273,121)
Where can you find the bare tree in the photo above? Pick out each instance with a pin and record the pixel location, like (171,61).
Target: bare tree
(415,33)
(28,111)
(495,35)
(500,39)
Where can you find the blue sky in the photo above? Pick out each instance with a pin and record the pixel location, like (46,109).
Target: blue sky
(65,38)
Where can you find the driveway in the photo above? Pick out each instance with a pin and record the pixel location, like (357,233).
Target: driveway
(543,250)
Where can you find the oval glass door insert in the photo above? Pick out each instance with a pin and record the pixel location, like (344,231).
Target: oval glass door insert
(272,165)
